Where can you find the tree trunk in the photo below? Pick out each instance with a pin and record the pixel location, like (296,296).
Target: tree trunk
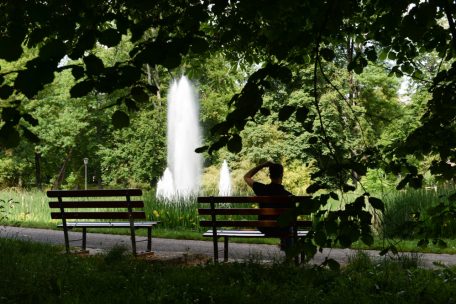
(38,170)
(58,182)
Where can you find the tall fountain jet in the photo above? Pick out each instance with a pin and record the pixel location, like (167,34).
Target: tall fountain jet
(182,176)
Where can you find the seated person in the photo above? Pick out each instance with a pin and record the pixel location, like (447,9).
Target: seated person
(272,189)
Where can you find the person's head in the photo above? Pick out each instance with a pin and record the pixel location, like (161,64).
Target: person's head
(276,171)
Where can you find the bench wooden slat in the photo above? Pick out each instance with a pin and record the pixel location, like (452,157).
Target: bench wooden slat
(108,224)
(98,215)
(245,233)
(96,204)
(251,199)
(94,193)
(242,211)
(256,223)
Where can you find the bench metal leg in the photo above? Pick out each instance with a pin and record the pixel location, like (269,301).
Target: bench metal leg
(225,249)
(67,241)
(215,245)
(84,238)
(133,241)
(149,239)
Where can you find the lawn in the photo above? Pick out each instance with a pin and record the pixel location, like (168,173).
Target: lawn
(38,273)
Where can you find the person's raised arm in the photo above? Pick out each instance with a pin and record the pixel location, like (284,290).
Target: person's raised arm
(248,177)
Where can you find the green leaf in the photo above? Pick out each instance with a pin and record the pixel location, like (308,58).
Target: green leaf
(11,49)
(285,112)
(407,68)
(416,182)
(377,203)
(77,72)
(201,149)
(320,238)
(6,91)
(358,69)
(221,128)
(313,140)
(384,251)
(85,42)
(383,54)
(128,75)
(139,94)
(403,182)
(11,115)
(334,196)
(327,54)
(314,188)
(371,54)
(131,105)
(331,226)
(265,111)
(423,243)
(172,60)
(30,135)
(30,119)
(53,49)
(9,136)
(94,65)
(301,114)
(81,89)
(120,119)
(332,264)
(218,144)
(367,239)
(110,37)
(442,244)
(31,80)
(348,188)
(234,144)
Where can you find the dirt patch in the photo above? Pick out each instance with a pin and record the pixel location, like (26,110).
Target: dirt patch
(181,259)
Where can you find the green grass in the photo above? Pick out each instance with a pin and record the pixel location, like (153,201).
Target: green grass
(38,273)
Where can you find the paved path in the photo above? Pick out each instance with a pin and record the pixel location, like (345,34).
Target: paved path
(166,248)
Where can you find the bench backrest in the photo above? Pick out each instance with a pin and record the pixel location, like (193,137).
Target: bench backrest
(218,206)
(100,199)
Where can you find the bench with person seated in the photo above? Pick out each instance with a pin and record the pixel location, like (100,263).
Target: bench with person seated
(221,210)
(101,209)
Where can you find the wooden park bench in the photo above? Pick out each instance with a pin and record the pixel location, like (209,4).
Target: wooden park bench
(101,209)
(220,211)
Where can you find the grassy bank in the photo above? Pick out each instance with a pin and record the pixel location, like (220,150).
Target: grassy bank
(37,273)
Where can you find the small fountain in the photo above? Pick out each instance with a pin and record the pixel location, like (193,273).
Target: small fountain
(165,185)
(225,180)
(181,178)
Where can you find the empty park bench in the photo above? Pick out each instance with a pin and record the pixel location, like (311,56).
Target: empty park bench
(226,220)
(101,209)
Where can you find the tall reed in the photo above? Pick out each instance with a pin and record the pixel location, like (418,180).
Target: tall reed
(403,208)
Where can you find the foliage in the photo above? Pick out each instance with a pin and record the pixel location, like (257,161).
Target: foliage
(318,48)
(135,154)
